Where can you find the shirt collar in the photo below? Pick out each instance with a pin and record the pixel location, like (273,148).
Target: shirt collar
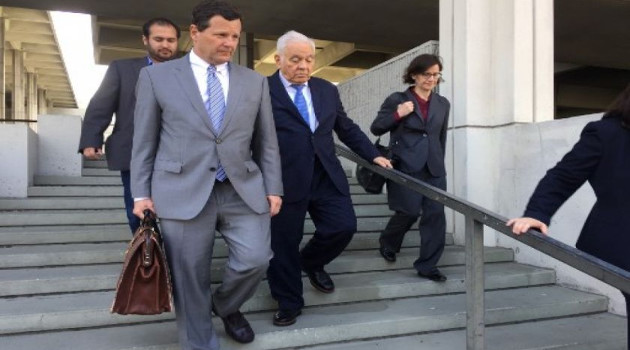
(287,84)
(420,98)
(198,61)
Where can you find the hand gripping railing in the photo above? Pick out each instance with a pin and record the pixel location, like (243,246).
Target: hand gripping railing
(476,218)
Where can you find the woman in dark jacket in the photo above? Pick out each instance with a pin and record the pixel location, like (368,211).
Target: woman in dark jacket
(417,120)
(601,157)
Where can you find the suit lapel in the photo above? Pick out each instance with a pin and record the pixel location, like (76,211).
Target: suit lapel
(235,93)
(435,108)
(139,64)
(186,79)
(316,99)
(279,93)
(416,106)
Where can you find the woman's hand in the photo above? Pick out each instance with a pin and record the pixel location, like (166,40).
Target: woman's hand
(404,109)
(522,225)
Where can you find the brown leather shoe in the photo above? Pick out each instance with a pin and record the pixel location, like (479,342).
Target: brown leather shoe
(237,327)
(321,280)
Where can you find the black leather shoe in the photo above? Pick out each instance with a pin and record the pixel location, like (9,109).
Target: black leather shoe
(285,317)
(321,281)
(387,254)
(237,327)
(435,276)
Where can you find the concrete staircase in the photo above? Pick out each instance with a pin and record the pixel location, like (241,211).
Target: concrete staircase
(61,251)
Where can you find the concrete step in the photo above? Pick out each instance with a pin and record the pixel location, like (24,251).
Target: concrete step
(75,191)
(98,191)
(80,203)
(25,235)
(23,314)
(603,331)
(326,324)
(56,203)
(118,216)
(60,274)
(77,181)
(94,163)
(99,172)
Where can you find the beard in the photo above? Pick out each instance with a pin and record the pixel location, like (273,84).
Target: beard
(161,55)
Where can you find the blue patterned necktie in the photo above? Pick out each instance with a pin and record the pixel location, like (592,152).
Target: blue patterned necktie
(215,105)
(300,102)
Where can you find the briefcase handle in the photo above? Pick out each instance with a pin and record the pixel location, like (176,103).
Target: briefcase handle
(149,221)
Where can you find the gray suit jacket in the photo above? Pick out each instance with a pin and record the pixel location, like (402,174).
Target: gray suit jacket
(116,95)
(176,150)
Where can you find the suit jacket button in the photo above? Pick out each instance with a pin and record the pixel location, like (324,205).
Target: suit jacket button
(213,169)
(218,141)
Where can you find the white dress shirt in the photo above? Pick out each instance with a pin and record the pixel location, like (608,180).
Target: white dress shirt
(200,71)
(307,96)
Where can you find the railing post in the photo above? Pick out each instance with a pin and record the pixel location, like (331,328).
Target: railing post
(475,308)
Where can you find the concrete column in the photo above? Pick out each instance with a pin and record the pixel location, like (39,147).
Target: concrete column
(18,85)
(18,151)
(57,148)
(245,53)
(498,67)
(41,101)
(31,96)
(500,56)
(3,82)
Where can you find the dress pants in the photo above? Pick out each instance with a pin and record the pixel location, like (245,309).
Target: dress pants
(189,244)
(335,223)
(432,227)
(132,219)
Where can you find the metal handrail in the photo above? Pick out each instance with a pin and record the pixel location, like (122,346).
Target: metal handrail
(18,120)
(476,218)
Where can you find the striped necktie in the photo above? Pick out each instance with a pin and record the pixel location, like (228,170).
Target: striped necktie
(215,105)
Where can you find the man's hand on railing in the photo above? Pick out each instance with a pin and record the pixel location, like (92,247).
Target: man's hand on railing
(522,225)
(382,161)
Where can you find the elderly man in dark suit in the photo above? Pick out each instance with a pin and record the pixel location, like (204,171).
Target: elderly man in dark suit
(205,157)
(116,95)
(306,111)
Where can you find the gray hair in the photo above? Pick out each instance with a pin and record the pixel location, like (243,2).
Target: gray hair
(290,36)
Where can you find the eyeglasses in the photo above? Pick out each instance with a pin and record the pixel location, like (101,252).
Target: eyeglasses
(436,76)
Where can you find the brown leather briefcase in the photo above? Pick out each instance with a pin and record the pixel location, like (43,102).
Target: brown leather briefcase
(144,285)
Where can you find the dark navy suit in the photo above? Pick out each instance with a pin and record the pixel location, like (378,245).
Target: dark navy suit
(314,182)
(601,157)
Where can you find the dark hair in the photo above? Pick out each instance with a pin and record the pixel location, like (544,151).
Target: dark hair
(161,21)
(419,65)
(205,10)
(620,108)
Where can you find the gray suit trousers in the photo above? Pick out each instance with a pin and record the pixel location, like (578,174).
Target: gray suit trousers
(189,244)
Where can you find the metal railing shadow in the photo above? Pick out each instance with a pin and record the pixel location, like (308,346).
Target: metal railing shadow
(476,218)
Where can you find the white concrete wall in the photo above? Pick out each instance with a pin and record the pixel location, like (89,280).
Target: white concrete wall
(526,152)
(58,143)
(18,154)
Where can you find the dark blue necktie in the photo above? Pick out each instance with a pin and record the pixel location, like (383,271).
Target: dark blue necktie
(215,105)
(300,102)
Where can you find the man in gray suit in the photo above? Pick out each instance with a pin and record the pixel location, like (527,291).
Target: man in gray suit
(116,95)
(205,156)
